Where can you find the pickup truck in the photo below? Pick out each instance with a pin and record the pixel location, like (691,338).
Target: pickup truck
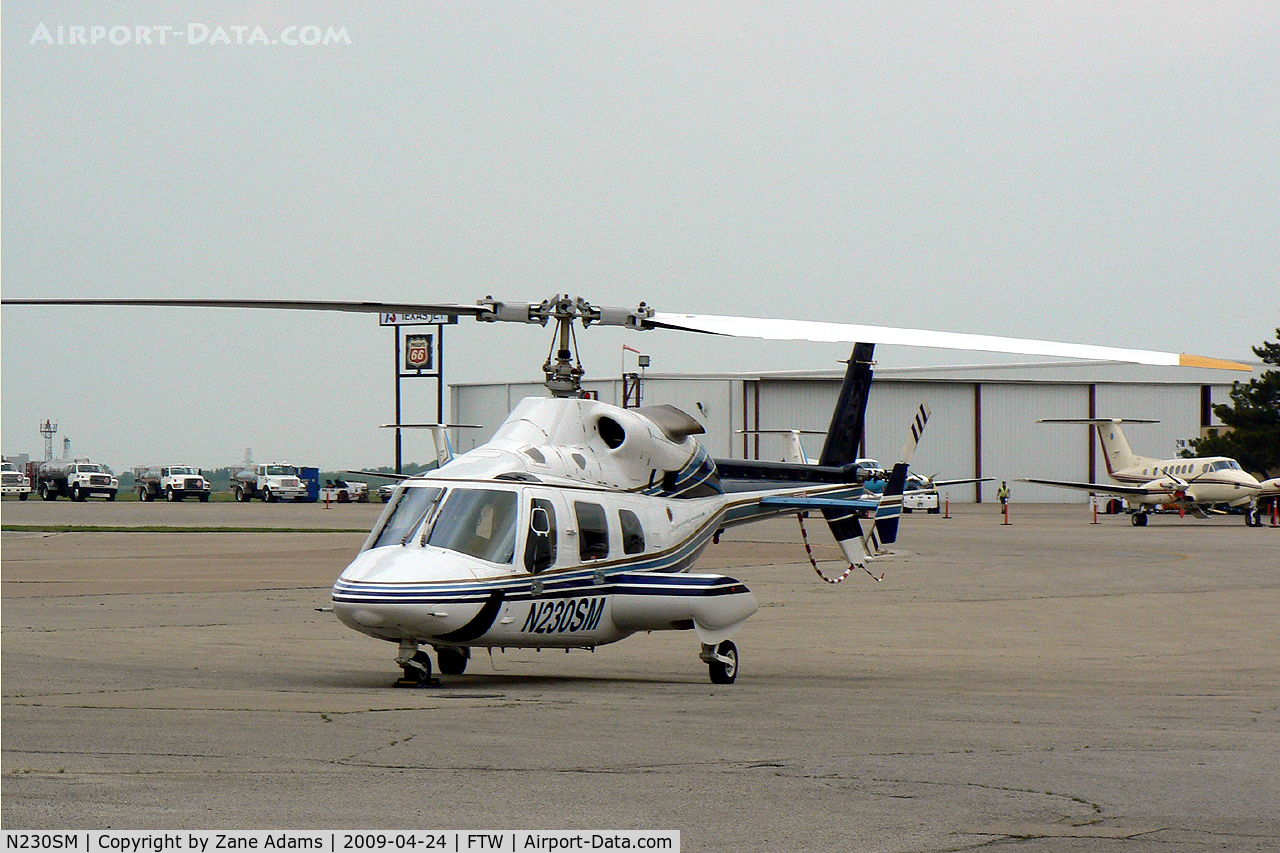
(345,491)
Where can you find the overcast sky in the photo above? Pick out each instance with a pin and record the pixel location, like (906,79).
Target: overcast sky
(1094,172)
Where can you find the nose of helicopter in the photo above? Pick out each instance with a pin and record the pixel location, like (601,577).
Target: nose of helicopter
(406,593)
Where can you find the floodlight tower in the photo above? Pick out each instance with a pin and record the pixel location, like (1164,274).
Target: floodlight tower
(47,429)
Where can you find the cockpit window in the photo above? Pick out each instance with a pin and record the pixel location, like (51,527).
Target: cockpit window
(478,522)
(408,509)
(1227,465)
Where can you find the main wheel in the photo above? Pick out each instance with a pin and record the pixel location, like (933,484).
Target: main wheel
(452,661)
(720,671)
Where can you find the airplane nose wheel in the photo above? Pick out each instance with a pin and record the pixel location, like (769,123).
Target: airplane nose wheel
(417,668)
(722,662)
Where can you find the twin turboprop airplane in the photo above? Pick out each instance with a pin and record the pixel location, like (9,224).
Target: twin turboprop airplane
(1189,483)
(576,525)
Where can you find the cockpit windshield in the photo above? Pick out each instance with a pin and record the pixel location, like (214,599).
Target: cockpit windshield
(477,522)
(406,513)
(1226,465)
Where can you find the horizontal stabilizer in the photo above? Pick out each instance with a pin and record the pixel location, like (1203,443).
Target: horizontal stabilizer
(936,483)
(797,502)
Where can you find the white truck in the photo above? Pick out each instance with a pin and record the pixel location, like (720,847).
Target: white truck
(173,483)
(14,482)
(272,482)
(344,491)
(78,479)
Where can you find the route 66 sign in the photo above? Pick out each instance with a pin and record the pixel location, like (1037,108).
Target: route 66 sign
(417,353)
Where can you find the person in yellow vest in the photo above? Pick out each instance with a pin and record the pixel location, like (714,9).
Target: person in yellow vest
(1003,494)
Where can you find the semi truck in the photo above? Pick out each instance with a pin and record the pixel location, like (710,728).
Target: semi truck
(14,481)
(173,483)
(271,482)
(78,479)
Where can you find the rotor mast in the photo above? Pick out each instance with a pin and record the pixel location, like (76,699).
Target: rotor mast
(563,369)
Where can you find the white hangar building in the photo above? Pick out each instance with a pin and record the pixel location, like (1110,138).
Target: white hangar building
(983,421)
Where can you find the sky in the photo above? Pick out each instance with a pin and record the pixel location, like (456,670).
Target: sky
(1104,173)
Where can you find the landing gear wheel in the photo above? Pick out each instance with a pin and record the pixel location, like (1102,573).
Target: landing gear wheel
(452,661)
(1139,519)
(724,668)
(417,672)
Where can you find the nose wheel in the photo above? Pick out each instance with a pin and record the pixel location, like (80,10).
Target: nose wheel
(722,662)
(416,665)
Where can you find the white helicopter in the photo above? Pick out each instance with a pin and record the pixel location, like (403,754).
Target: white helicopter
(577,523)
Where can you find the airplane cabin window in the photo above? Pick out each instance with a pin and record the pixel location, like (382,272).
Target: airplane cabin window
(593,531)
(632,532)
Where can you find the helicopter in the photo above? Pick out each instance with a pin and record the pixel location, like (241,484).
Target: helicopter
(578,523)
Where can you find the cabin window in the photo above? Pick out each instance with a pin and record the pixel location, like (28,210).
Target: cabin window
(540,547)
(593,531)
(405,514)
(480,523)
(632,532)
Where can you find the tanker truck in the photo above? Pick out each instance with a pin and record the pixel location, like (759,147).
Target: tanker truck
(272,482)
(173,483)
(78,479)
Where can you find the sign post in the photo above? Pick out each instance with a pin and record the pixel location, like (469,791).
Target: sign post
(423,357)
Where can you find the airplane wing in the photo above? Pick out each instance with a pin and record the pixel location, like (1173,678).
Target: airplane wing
(937,483)
(1100,488)
(386,475)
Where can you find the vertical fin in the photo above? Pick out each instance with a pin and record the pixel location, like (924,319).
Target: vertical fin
(890,509)
(849,418)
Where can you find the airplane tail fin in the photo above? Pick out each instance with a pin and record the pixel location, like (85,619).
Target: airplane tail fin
(439,437)
(1116,452)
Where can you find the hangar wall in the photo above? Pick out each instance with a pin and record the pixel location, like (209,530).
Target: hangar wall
(983,420)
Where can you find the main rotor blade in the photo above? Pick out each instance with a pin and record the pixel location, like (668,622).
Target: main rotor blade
(279,304)
(819,331)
